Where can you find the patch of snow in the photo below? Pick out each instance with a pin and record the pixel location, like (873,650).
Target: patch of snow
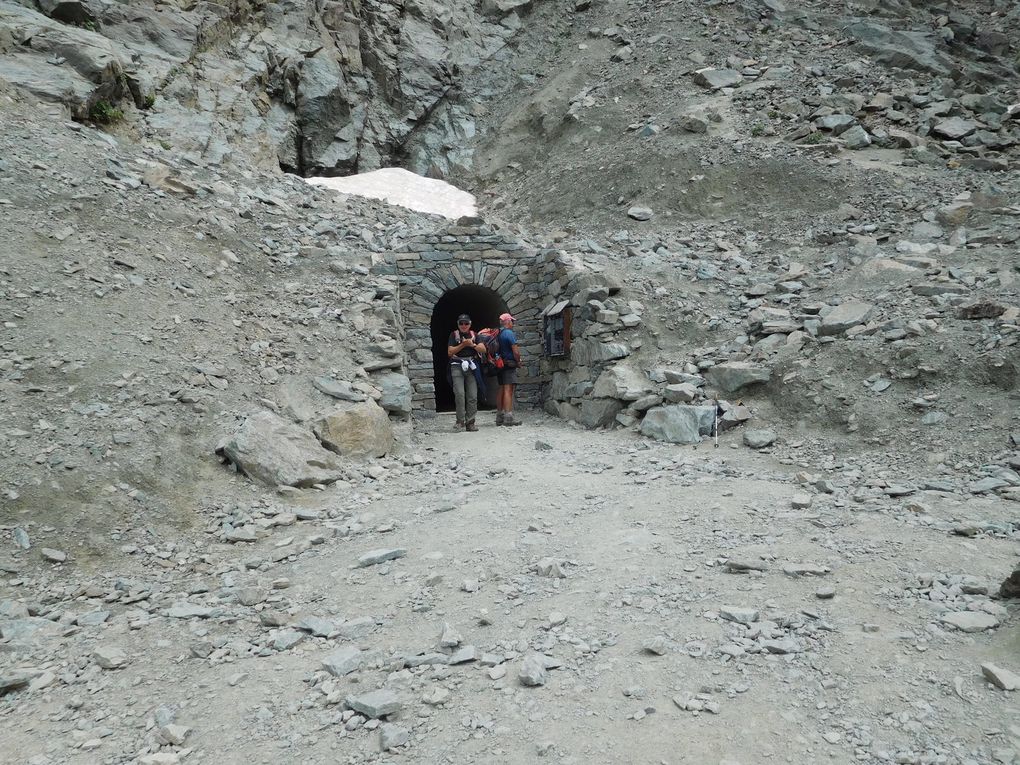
(405,189)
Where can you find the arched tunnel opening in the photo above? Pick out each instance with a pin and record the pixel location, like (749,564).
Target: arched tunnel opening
(484,306)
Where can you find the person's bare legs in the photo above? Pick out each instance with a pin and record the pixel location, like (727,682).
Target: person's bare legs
(508,406)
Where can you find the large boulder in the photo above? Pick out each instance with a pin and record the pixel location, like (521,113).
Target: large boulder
(679,424)
(732,376)
(622,382)
(600,412)
(275,451)
(362,430)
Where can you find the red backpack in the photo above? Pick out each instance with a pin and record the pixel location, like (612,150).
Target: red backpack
(492,360)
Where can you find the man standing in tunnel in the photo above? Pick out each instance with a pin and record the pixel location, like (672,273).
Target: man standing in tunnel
(462,350)
(510,355)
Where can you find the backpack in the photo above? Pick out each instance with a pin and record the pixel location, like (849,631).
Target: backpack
(492,361)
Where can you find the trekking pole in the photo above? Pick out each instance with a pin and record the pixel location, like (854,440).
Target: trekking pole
(715,429)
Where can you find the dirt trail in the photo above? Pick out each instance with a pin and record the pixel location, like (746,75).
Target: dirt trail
(642,534)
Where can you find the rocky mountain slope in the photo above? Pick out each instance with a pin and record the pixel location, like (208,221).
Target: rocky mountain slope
(808,212)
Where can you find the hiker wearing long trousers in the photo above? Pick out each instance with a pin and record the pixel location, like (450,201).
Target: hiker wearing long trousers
(463,351)
(506,375)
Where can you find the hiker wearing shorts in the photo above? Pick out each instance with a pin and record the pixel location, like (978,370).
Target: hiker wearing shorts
(510,353)
(463,351)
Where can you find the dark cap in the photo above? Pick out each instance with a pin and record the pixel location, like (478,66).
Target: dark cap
(463,317)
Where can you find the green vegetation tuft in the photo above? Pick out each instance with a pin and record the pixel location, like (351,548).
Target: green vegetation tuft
(105,113)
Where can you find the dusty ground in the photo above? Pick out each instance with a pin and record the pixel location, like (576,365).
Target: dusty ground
(642,533)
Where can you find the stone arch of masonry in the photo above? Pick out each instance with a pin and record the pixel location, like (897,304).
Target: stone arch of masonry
(477,260)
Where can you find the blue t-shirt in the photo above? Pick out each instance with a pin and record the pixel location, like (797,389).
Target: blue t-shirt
(507,341)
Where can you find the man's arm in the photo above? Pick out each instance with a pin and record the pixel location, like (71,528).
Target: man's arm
(452,349)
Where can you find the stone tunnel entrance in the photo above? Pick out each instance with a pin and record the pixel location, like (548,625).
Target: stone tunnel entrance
(470,267)
(484,306)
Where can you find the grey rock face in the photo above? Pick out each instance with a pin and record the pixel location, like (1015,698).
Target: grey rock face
(679,424)
(270,449)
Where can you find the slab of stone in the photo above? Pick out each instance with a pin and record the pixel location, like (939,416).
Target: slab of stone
(1001,678)
(733,376)
(637,212)
(343,661)
(29,628)
(464,655)
(954,128)
(782,646)
(739,615)
(585,352)
(13,681)
(805,569)
(184,610)
(277,452)
(844,316)
(53,556)
(970,621)
(316,626)
(110,657)
(714,79)
(338,389)
(93,618)
(375,557)
(375,704)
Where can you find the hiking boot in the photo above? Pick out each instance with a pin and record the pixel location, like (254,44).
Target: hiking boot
(509,420)
(471,427)
(499,418)
(458,427)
